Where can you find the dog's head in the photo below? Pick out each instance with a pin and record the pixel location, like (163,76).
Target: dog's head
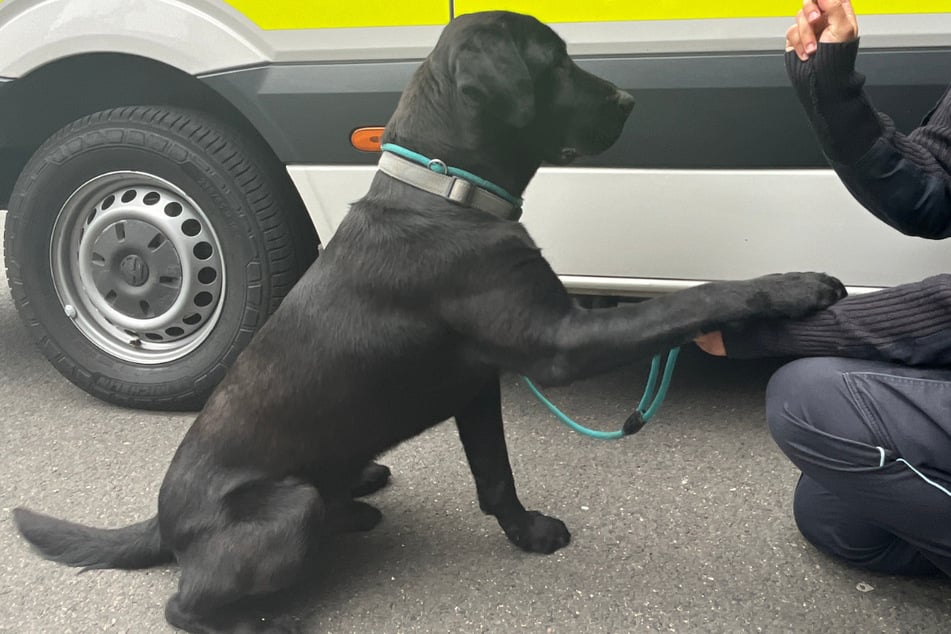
(507,92)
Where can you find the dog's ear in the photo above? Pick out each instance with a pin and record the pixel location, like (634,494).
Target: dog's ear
(490,73)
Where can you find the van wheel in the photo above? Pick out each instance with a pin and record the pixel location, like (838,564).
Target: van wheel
(145,246)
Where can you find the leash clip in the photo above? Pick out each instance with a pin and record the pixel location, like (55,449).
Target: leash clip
(634,423)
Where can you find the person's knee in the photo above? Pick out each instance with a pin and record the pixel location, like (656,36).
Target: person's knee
(808,522)
(820,518)
(797,393)
(837,530)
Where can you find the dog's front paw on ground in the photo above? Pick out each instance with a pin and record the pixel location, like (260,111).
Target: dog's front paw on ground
(372,478)
(538,533)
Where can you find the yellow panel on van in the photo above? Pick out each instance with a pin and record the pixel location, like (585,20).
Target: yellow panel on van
(618,10)
(320,14)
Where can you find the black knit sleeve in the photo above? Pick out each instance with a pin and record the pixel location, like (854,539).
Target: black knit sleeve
(904,180)
(909,324)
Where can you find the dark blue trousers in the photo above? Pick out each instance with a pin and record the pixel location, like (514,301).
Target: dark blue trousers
(873,442)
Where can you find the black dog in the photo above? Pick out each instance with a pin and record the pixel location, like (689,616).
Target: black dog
(406,320)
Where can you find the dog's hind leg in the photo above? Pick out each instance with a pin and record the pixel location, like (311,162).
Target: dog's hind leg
(343,513)
(231,620)
(254,545)
(351,516)
(480,428)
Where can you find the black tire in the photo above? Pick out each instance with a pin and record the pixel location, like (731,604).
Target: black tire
(224,181)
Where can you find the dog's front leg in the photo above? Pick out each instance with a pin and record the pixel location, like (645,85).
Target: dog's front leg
(480,428)
(580,343)
(523,320)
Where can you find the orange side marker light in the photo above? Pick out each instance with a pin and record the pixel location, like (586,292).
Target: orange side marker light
(366,139)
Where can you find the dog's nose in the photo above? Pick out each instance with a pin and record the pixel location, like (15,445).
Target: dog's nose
(625,101)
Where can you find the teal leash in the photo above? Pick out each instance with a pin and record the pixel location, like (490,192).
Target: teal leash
(636,421)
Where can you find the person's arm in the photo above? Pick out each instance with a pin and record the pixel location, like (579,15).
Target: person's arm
(906,324)
(905,180)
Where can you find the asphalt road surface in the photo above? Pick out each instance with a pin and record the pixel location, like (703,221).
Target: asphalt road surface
(684,527)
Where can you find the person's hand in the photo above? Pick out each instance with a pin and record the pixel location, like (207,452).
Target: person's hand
(711,343)
(823,20)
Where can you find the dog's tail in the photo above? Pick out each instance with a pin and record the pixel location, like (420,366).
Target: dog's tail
(135,546)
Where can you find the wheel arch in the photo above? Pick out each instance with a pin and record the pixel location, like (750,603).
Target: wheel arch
(48,98)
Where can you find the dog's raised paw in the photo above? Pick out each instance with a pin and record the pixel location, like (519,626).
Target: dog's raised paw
(793,295)
(537,533)
(831,289)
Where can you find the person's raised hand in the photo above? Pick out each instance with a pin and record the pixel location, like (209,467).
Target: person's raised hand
(821,21)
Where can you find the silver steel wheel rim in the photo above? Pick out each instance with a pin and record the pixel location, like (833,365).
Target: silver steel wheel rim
(137,267)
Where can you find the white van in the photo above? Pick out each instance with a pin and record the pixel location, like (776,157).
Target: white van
(177,162)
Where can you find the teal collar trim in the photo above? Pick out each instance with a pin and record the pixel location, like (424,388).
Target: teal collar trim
(440,167)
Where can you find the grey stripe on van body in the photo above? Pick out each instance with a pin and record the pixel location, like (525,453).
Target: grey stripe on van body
(5,82)
(715,111)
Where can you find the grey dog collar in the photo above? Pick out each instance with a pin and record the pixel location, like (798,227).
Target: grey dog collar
(452,188)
